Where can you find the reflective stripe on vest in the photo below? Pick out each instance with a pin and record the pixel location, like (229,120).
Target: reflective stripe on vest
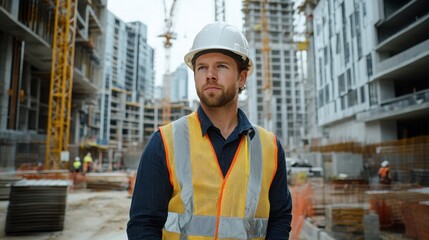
(229,227)
(202,226)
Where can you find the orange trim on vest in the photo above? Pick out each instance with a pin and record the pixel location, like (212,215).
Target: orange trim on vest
(276,154)
(219,206)
(167,159)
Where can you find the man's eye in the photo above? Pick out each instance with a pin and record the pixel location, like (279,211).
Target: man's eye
(201,67)
(222,66)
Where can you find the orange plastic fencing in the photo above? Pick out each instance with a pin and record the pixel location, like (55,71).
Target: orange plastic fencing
(131,183)
(301,208)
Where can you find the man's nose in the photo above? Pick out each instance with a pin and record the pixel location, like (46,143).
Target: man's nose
(211,73)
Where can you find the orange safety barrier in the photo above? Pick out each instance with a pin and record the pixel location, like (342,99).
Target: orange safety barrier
(131,183)
(302,207)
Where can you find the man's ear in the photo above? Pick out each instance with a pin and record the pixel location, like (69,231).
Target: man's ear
(243,77)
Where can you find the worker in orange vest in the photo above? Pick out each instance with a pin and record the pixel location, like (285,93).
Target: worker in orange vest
(384,173)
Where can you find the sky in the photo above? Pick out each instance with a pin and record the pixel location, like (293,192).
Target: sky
(190,16)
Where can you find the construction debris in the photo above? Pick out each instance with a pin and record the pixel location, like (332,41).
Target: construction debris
(345,219)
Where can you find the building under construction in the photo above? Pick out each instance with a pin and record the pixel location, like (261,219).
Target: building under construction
(368,62)
(28,104)
(112,84)
(369,102)
(276,91)
(128,79)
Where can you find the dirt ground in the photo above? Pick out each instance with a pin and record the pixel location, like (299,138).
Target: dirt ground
(89,215)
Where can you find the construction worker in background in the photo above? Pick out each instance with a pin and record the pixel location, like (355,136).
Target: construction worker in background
(384,173)
(77,164)
(212,174)
(87,163)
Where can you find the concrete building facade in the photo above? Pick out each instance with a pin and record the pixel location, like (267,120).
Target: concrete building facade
(288,98)
(128,81)
(370,59)
(26,35)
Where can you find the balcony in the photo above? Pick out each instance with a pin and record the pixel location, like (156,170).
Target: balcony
(411,62)
(408,20)
(404,107)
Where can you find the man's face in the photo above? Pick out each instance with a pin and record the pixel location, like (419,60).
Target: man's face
(217,79)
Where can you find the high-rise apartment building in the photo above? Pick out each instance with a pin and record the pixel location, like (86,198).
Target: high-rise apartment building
(179,102)
(128,81)
(371,61)
(140,63)
(179,84)
(287,104)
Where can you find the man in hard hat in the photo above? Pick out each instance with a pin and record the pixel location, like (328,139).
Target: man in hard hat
(212,174)
(87,163)
(384,173)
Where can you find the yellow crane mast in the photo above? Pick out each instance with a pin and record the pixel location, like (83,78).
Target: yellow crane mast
(266,65)
(169,35)
(63,48)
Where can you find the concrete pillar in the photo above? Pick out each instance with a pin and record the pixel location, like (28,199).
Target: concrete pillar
(387,90)
(5,76)
(371,226)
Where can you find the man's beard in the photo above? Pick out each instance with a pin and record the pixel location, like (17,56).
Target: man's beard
(216,100)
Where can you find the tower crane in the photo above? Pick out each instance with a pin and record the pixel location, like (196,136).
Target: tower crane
(168,35)
(63,48)
(219,10)
(266,66)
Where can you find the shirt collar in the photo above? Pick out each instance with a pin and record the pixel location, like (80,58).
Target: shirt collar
(244,124)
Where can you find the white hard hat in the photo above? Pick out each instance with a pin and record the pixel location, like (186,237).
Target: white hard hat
(223,36)
(385,163)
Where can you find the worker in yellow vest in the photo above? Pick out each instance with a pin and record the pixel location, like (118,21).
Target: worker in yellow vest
(212,174)
(87,163)
(77,164)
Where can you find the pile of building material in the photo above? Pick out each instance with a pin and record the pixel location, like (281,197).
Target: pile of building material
(416,216)
(107,181)
(36,206)
(345,219)
(388,204)
(57,174)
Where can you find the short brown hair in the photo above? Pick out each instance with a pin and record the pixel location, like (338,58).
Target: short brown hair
(243,64)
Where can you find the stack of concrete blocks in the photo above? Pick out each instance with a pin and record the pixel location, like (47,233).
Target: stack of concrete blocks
(312,232)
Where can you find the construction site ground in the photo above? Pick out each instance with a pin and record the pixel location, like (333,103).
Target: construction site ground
(102,213)
(89,215)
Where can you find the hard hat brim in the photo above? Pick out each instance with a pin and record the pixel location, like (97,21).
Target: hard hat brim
(190,55)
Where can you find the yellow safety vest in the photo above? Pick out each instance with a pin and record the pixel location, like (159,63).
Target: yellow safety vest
(204,203)
(76,164)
